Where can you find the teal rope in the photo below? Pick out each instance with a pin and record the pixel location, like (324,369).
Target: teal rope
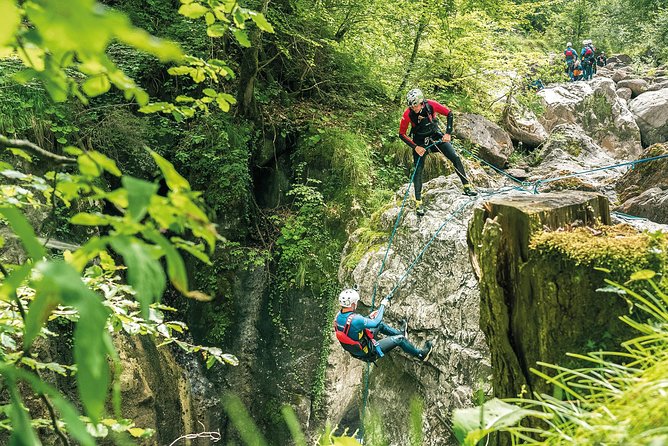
(471,154)
(627,216)
(365,395)
(538,183)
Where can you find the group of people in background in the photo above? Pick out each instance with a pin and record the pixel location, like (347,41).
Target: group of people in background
(582,65)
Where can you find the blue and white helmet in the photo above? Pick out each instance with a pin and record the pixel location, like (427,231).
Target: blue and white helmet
(569,44)
(414,97)
(348,297)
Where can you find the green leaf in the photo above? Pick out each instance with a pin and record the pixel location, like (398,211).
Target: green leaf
(261,22)
(87,166)
(11,19)
(473,424)
(209,18)
(96,85)
(210,92)
(174,180)
(216,30)
(91,340)
(24,230)
(45,301)
(86,219)
(105,162)
(73,150)
(176,269)
(139,195)
(20,153)
(193,10)
(145,274)
(644,274)
(242,37)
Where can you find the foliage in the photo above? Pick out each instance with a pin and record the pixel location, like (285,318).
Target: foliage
(617,399)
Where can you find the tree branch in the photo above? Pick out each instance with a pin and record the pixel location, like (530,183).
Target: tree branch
(34,148)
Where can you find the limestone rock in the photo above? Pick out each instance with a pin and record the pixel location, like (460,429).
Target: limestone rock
(637,86)
(595,107)
(620,75)
(621,58)
(651,112)
(624,93)
(645,175)
(651,204)
(523,126)
(493,142)
(438,295)
(658,85)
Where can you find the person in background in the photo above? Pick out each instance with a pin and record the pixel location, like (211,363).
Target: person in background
(357,333)
(577,70)
(570,56)
(426,136)
(587,59)
(602,60)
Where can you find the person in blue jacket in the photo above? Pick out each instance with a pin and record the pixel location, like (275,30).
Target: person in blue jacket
(570,55)
(357,333)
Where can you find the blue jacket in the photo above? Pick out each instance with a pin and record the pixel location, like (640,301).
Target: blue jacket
(359,323)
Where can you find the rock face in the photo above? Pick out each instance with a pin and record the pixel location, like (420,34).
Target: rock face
(651,112)
(439,297)
(155,393)
(637,86)
(643,189)
(595,107)
(533,305)
(493,142)
(523,126)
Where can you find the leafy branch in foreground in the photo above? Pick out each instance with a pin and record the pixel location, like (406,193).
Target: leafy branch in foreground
(46,289)
(619,399)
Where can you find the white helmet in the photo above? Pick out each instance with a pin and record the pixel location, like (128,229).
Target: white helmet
(585,42)
(414,97)
(348,297)
(569,44)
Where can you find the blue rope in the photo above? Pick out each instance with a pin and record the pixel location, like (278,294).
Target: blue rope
(536,184)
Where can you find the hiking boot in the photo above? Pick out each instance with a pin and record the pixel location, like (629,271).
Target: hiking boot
(426,351)
(470,191)
(419,208)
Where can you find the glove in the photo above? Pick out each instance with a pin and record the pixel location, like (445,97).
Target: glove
(385,302)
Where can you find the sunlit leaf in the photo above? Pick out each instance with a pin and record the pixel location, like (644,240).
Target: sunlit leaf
(176,268)
(11,19)
(139,195)
(216,30)
(145,274)
(644,274)
(193,10)
(86,219)
(174,180)
(261,22)
(96,85)
(242,37)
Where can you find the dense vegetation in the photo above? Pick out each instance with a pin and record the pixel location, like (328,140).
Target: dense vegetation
(284,113)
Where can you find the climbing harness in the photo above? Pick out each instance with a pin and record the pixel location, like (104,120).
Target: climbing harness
(359,348)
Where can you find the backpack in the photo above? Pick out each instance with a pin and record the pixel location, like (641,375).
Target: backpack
(358,348)
(569,53)
(588,52)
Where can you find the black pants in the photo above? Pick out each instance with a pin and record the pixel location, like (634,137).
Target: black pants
(446,149)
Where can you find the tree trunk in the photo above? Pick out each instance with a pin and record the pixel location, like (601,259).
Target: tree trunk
(416,46)
(248,70)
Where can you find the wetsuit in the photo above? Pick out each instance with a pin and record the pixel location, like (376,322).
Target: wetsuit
(587,61)
(359,323)
(423,132)
(570,54)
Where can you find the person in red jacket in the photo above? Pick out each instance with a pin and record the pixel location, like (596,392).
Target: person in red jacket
(425,136)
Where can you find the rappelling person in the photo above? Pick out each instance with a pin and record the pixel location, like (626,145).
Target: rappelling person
(421,115)
(356,333)
(570,56)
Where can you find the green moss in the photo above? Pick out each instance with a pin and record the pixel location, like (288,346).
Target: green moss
(619,249)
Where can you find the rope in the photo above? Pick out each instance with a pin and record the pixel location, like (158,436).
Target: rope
(536,184)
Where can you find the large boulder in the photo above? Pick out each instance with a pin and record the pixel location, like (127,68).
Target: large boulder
(438,294)
(569,150)
(595,107)
(620,59)
(493,143)
(637,86)
(624,93)
(658,85)
(523,126)
(651,113)
(652,204)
